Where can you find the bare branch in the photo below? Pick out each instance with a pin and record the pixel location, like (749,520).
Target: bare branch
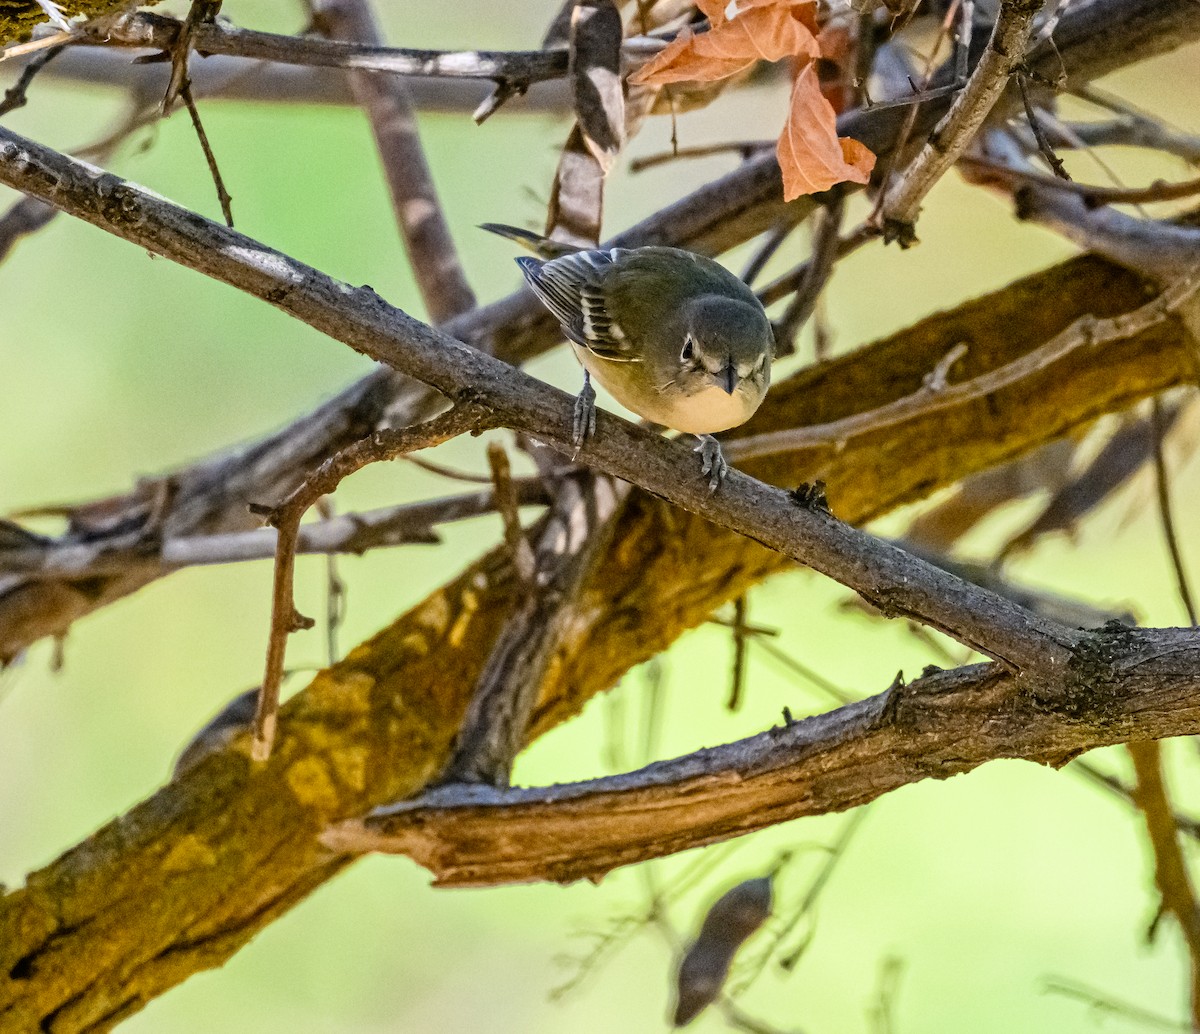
(228,78)
(285,619)
(548,610)
(156,32)
(1094,195)
(1093,38)
(354,533)
(902,200)
(942,724)
(386,717)
(358,317)
(14,96)
(1158,426)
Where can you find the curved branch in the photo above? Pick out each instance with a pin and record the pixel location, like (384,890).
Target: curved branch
(1121,684)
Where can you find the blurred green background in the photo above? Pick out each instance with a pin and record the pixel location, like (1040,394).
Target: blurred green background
(114,365)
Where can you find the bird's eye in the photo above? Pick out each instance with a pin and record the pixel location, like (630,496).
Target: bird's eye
(689,350)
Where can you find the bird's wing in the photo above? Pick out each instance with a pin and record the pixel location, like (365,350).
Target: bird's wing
(572,287)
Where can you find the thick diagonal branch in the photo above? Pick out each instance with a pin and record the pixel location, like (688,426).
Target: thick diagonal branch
(895,582)
(902,200)
(1092,39)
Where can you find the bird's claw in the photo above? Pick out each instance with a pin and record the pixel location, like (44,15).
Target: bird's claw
(712,461)
(583,424)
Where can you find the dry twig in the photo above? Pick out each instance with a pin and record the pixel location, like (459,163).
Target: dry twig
(286,517)
(1005,50)
(1170,869)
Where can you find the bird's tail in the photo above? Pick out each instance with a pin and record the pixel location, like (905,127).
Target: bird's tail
(543,247)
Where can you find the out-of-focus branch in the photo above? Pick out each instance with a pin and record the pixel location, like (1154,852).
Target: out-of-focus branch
(902,199)
(1159,249)
(1170,870)
(572,538)
(222,77)
(415,202)
(347,533)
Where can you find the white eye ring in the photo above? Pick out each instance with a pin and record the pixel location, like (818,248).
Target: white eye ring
(689,350)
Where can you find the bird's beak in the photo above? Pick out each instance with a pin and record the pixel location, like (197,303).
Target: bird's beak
(728,378)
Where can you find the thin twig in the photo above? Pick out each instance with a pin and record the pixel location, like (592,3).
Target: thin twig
(184,91)
(1189,827)
(771,243)
(200,12)
(902,200)
(804,910)
(1094,195)
(1039,134)
(14,96)
(827,248)
(507,504)
(1163,491)
(335,590)
(1170,869)
(286,517)
(741,633)
(1103,1004)
(794,279)
(744,148)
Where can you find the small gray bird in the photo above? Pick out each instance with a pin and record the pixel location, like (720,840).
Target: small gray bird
(673,336)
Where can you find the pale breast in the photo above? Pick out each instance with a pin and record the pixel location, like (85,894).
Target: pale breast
(705,412)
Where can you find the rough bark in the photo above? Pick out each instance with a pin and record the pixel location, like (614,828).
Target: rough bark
(179,883)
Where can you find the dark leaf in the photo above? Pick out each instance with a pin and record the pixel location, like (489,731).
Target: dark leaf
(735,916)
(577,198)
(596,78)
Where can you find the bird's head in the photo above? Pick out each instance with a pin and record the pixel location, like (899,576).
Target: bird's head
(727,342)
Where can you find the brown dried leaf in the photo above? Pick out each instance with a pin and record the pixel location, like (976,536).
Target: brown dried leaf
(811,155)
(762,31)
(577,197)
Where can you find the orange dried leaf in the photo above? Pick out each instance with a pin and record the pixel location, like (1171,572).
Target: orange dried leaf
(760,32)
(810,153)
(714,11)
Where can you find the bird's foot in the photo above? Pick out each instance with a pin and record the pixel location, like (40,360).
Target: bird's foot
(712,461)
(583,426)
